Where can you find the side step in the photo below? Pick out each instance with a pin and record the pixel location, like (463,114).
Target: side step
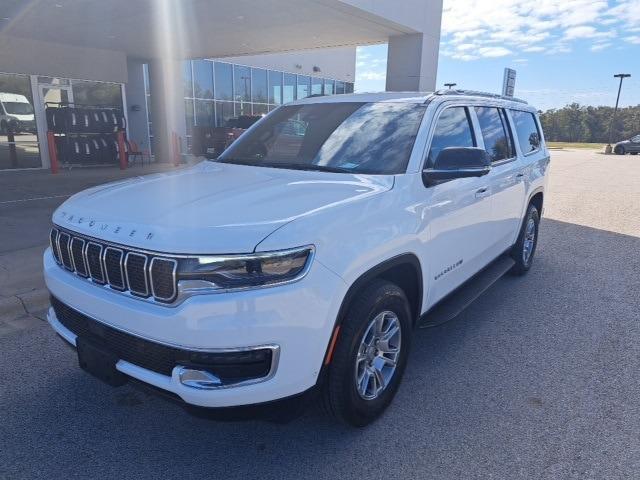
(454,303)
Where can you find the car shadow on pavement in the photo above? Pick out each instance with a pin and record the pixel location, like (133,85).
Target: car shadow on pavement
(538,378)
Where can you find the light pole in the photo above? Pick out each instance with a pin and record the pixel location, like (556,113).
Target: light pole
(450,85)
(621,76)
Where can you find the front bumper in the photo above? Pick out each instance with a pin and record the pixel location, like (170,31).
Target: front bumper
(297,319)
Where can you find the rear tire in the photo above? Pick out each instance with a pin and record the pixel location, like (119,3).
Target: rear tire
(361,383)
(525,248)
(619,150)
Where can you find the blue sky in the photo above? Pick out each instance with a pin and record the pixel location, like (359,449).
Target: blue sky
(563,50)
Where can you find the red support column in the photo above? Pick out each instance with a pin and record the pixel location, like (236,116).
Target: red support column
(53,153)
(123,154)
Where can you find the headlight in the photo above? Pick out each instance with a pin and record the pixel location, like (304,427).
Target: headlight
(246,271)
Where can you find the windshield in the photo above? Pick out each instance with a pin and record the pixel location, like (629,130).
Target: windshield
(370,138)
(18,108)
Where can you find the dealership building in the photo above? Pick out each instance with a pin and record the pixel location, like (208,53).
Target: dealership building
(170,65)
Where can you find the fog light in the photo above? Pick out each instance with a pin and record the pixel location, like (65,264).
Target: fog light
(198,378)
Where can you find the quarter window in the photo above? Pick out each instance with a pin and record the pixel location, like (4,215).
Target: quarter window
(495,132)
(452,130)
(526,130)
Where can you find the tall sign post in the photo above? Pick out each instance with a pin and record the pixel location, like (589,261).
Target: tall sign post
(509,82)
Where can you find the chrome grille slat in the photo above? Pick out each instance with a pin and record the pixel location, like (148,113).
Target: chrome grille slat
(65,253)
(77,256)
(93,256)
(140,273)
(163,290)
(112,259)
(53,241)
(136,274)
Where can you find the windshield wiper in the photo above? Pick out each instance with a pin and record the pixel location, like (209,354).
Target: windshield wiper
(285,165)
(306,166)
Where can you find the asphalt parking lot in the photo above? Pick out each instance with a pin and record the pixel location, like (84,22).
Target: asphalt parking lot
(539,378)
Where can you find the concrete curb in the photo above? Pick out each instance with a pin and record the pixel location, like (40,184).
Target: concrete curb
(29,303)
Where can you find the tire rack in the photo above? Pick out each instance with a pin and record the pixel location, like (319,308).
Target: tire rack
(120,134)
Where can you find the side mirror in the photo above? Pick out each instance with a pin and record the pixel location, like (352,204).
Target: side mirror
(457,162)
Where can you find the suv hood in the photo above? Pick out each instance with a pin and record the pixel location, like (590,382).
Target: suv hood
(210,207)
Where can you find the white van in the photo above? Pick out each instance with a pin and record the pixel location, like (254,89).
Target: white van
(16,111)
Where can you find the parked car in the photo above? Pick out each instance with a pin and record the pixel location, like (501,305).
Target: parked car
(631,146)
(16,114)
(301,260)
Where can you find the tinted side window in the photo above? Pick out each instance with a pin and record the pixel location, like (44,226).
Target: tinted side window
(452,130)
(526,130)
(497,140)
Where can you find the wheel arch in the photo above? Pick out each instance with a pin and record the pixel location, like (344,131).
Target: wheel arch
(404,270)
(537,198)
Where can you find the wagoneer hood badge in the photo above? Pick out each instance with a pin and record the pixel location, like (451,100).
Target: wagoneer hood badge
(210,207)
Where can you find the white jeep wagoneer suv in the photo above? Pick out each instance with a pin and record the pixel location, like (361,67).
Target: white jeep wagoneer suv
(301,259)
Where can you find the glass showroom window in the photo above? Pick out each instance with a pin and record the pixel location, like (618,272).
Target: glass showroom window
(329,87)
(188,112)
(316,86)
(289,89)
(96,93)
(224,112)
(339,87)
(224,81)
(259,85)
(348,87)
(304,86)
(275,87)
(18,136)
(202,79)
(242,83)
(187,79)
(205,116)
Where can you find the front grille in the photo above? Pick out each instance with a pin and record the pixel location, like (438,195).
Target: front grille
(140,273)
(230,367)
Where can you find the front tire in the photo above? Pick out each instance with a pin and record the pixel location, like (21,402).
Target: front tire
(370,355)
(525,247)
(619,150)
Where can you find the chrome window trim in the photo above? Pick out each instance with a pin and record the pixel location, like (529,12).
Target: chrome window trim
(174,276)
(68,235)
(144,272)
(73,260)
(106,270)
(86,255)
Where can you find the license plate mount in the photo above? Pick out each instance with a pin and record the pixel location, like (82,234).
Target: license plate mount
(99,362)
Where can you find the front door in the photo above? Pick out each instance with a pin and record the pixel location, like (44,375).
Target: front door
(459,212)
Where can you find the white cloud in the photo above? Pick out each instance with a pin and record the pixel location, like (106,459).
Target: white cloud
(582,31)
(371,75)
(635,39)
(480,28)
(598,47)
(491,52)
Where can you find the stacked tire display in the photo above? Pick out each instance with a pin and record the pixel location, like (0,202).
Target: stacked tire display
(86,135)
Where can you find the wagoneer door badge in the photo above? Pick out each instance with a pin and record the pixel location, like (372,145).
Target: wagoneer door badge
(448,269)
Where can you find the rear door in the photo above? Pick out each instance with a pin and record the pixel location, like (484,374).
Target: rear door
(459,218)
(506,177)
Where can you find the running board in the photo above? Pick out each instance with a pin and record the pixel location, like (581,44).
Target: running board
(453,304)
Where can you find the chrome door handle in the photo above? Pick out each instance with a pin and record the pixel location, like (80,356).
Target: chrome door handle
(482,192)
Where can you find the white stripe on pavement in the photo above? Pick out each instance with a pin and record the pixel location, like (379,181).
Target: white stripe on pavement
(32,199)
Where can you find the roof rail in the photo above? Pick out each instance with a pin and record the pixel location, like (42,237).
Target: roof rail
(479,94)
